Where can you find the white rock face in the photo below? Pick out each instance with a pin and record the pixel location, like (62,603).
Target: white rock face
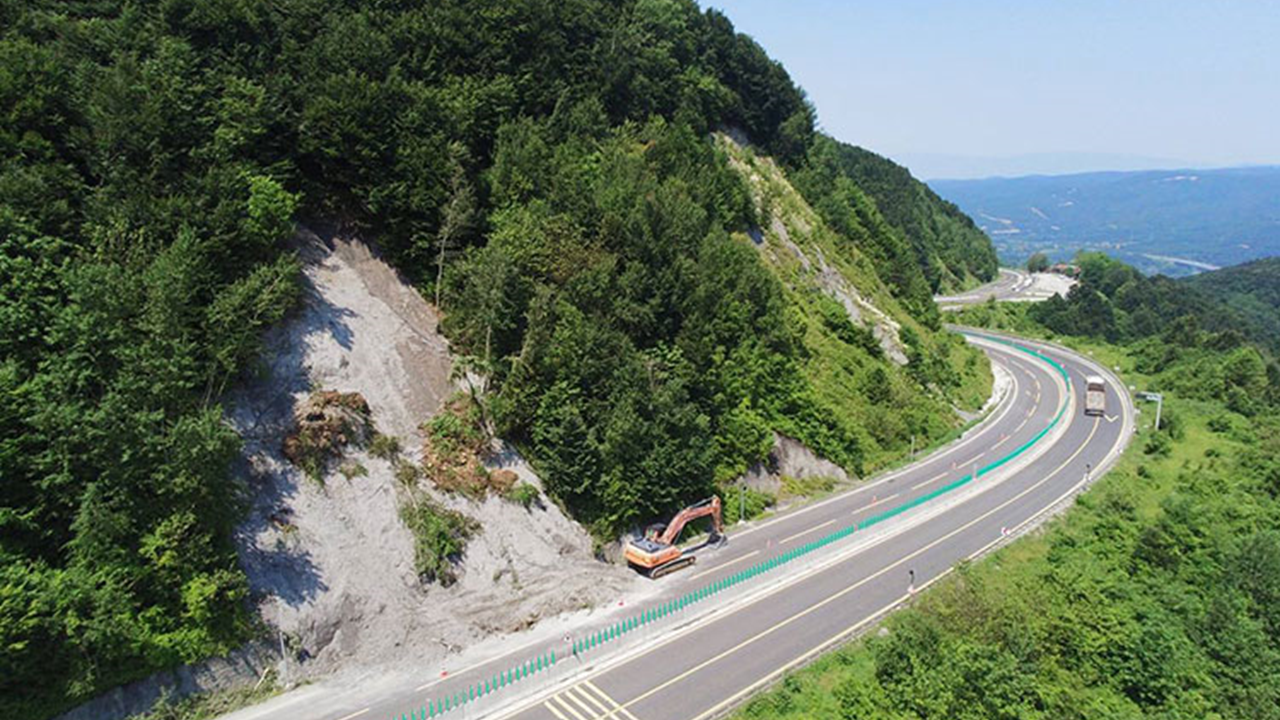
(332,564)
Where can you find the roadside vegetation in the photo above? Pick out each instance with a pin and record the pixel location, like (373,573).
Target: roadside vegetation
(1155,596)
(206,706)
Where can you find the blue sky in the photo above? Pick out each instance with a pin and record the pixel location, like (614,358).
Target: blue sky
(1088,83)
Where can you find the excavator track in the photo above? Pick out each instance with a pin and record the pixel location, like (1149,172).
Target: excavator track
(678,564)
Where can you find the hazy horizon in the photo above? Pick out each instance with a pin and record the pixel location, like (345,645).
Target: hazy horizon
(994,88)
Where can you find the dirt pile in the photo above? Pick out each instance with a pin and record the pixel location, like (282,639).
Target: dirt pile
(327,422)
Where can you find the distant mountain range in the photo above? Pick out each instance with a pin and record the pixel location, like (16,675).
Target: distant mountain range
(940,166)
(1176,222)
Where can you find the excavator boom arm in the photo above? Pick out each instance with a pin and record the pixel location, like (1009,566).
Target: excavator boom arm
(710,506)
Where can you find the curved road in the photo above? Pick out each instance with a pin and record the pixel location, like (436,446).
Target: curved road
(1011,284)
(700,666)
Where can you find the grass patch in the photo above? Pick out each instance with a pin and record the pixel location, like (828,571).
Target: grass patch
(439,537)
(384,447)
(205,706)
(814,486)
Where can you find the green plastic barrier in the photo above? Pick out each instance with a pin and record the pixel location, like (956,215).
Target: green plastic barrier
(442,706)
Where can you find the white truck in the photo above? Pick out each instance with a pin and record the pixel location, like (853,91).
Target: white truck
(1095,395)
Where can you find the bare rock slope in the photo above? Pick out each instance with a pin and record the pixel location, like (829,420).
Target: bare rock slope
(330,563)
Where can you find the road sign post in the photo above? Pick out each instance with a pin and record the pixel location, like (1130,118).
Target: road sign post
(1158,399)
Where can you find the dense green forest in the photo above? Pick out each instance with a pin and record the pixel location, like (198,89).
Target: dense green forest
(544,170)
(1252,290)
(1156,596)
(944,243)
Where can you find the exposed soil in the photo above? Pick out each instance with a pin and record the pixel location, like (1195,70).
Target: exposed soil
(331,563)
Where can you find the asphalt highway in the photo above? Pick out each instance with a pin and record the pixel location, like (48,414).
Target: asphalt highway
(702,667)
(1011,284)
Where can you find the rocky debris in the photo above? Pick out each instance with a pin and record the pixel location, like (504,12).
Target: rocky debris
(790,458)
(884,328)
(332,565)
(326,423)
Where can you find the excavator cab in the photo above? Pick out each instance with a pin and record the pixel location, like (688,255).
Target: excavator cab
(656,553)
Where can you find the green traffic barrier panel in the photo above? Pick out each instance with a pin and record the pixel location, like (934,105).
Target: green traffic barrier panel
(553,657)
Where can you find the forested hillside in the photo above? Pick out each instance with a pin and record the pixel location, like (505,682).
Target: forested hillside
(1251,289)
(1156,597)
(1191,340)
(545,171)
(948,248)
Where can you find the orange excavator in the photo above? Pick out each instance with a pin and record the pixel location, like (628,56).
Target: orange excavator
(657,554)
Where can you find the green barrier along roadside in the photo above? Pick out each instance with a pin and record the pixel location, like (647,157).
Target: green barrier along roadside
(580,647)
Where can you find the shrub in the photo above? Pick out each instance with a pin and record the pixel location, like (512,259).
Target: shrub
(353,469)
(407,473)
(385,447)
(456,438)
(440,535)
(746,505)
(1158,445)
(523,494)
(811,486)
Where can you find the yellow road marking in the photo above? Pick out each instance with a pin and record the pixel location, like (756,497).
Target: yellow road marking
(618,708)
(554,711)
(726,564)
(935,478)
(567,707)
(597,708)
(357,713)
(586,708)
(853,628)
(789,538)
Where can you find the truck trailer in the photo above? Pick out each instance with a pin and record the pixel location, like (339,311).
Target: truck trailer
(1095,395)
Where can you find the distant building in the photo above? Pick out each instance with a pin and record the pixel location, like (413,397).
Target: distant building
(1065,269)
